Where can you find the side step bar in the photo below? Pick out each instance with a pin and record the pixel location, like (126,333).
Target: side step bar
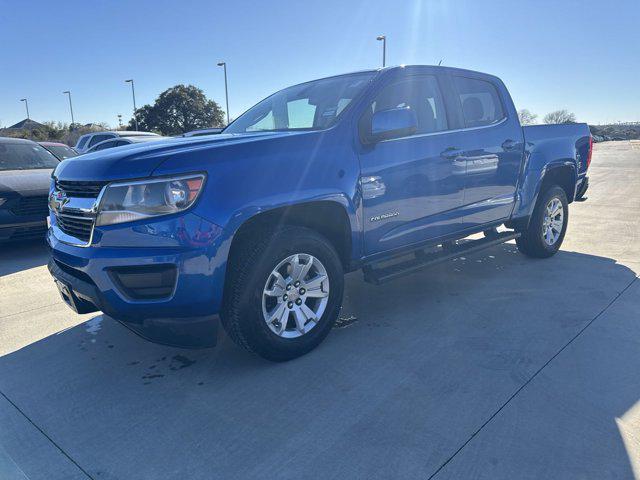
(422,259)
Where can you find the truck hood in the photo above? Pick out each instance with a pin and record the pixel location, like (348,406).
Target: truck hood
(139,160)
(25,182)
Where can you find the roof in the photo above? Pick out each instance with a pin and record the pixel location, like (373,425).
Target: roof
(132,133)
(53,144)
(26,124)
(14,140)
(142,138)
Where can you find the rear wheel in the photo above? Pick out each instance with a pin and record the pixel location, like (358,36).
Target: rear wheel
(543,236)
(284,293)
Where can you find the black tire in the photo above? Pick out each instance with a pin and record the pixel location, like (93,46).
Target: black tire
(249,270)
(531,241)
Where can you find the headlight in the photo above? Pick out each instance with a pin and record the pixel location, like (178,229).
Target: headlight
(130,201)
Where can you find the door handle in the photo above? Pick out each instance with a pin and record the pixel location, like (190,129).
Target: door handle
(509,144)
(451,153)
(372,187)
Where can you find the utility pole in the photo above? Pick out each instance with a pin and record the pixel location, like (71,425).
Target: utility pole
(133,92)
(70,106)
(226,88)
(383,39)
(26,104)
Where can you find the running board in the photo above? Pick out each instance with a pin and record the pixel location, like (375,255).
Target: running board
(422,259)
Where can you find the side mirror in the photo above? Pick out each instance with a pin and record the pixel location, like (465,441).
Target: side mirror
(393,123)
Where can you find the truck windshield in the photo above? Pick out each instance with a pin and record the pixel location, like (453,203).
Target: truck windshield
(25,156)
(310,106)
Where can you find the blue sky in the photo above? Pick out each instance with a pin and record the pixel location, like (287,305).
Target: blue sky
(579,55)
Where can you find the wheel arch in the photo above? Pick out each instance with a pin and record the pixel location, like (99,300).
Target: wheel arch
(328,217)
(561,174)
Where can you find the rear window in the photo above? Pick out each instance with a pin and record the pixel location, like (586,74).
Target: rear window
(62,152)
(480,101)
(25,156)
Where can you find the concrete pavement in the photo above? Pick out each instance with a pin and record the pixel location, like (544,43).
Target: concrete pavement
(491,366)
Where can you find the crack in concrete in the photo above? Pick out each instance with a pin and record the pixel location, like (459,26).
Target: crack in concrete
(517,392)
(46,436)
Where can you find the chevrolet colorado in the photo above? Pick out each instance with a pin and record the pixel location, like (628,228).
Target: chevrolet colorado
(385,171)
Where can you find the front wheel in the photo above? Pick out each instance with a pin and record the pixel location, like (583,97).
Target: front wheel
(285,292)
(548,224)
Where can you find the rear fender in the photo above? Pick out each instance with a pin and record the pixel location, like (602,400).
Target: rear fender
(537,175)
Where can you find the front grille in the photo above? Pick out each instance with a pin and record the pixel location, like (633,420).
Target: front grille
(32,206)
(28,233)
(76,226)
(80,189)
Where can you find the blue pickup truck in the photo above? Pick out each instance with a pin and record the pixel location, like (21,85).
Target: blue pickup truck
(388,171)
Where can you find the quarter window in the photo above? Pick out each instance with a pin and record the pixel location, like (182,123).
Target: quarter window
(480,101)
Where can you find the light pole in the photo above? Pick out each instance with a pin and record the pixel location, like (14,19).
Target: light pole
(133,93)
(119,121)
(70,106)
(383,39)
(226,88)
(26,104)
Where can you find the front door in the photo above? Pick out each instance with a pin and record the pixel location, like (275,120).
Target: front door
(412,187)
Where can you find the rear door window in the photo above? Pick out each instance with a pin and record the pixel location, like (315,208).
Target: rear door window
(480,102)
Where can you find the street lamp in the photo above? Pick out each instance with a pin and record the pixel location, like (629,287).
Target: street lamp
(383,39)
(67,92)
(133,93)
(26,104)
(226,89)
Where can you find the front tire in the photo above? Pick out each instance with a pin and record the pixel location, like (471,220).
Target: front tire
(547,227)
(283,294)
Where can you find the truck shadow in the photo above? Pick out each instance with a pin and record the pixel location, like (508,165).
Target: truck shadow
(15,257)
(416,367)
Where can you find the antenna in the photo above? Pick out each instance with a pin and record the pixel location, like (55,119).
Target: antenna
(440,62)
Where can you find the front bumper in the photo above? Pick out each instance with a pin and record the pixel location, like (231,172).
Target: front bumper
(187,314)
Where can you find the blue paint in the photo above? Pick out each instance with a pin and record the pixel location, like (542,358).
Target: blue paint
(398,192)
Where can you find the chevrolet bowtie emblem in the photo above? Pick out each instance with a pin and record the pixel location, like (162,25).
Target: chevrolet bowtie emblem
(57,200)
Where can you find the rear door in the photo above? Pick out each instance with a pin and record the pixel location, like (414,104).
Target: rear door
(491,147)
(411,187)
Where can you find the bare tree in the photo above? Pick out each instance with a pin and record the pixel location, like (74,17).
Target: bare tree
(526,117)
(560,116)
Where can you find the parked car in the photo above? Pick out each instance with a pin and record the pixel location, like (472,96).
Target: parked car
(85,142)
(25,175)
(385,171)
(121,141)
(204,131)
(59,150)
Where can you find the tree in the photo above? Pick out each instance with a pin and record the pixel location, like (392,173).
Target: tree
(560,116)
(526,117)
(178,110)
